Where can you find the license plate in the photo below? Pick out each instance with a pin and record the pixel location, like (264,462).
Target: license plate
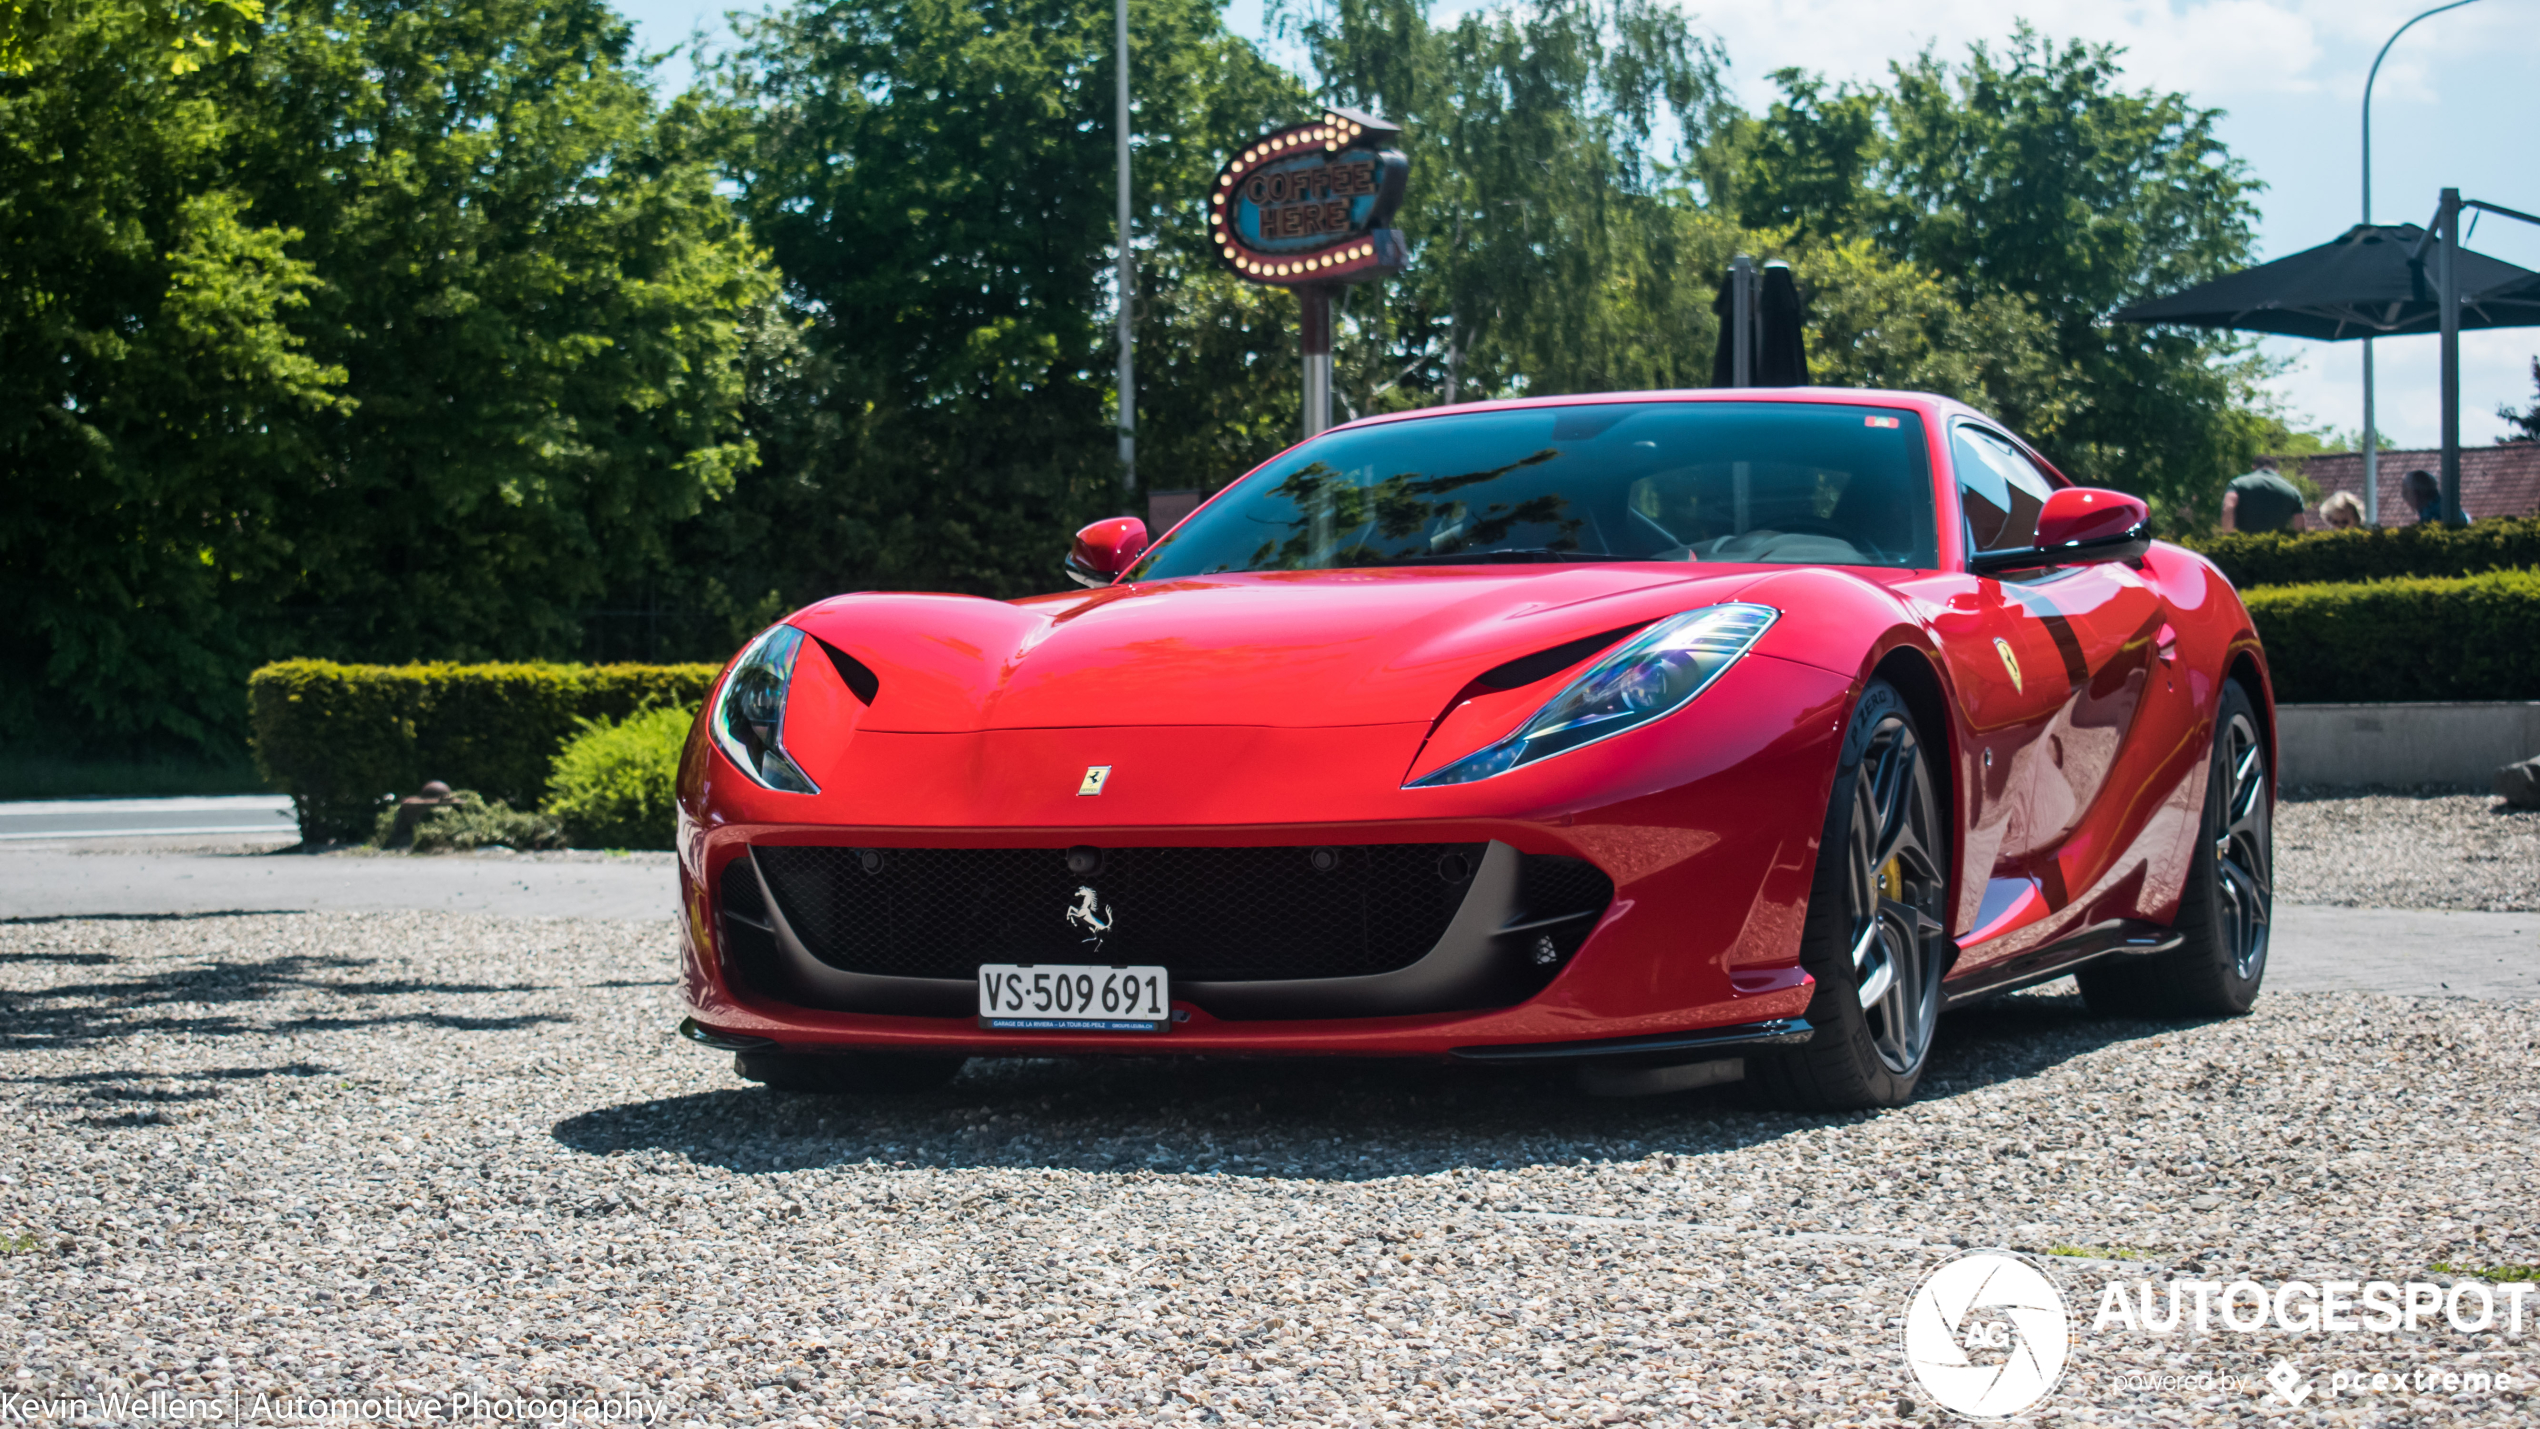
(1073,997)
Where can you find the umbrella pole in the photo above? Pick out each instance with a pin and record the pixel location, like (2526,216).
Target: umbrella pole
(2372,449)
(2448,297)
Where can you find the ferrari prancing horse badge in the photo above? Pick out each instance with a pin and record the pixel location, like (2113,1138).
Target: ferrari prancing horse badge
(1095,776)
(2010,662)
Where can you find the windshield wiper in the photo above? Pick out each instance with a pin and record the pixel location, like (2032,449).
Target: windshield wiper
(1520,555)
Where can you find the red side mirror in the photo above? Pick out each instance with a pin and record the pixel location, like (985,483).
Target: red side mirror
(1105,549)
(2079,526)
(2087,516)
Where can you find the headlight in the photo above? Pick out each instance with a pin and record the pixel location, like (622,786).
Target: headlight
(1644,678)
(749,720)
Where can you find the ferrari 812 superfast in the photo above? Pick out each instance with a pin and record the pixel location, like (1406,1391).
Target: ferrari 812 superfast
(1691,735)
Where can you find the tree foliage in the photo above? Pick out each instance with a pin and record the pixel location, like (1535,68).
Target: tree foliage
(405,330)
(2031,177)
(934,178)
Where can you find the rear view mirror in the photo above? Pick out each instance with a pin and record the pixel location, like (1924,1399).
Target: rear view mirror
(1105,549)
(2080,525)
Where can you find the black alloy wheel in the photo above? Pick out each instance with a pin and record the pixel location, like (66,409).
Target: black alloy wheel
(1873,938)
(2227,909)
(847,1073)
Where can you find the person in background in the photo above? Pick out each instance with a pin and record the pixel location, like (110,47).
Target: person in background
(2425,496)
(2342,512)
(2261,500)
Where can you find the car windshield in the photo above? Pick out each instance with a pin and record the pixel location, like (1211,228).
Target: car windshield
(1805,483)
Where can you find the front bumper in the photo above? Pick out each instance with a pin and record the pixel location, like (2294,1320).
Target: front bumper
(1706,823)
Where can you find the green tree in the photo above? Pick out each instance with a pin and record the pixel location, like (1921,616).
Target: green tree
(542,305)
(2032,176)
(934,177)
(155,383)
(405,331)
(1548,256)
(2526,424)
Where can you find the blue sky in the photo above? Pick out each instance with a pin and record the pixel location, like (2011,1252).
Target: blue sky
(2457,103)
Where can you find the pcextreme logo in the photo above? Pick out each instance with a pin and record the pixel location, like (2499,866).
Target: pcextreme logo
(1987,1334)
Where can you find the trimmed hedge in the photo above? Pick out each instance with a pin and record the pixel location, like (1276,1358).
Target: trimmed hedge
(2475,638)
(345,740)
(2386,553)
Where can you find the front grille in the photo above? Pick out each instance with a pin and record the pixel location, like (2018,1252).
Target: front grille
(1207,914)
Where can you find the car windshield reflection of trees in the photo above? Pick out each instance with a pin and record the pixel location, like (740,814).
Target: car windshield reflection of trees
(1785,484)
(1399,507)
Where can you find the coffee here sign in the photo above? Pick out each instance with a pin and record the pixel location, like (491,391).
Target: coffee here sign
(1308,204)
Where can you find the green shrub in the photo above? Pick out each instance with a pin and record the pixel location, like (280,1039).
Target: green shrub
(2386,553)
(2475,638)
(615,782)
(474,823)
(343,740)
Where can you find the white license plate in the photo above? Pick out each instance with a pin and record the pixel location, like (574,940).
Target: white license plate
(1073,997)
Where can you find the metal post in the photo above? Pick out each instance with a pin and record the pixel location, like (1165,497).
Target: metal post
(1742,321)
(2448,295)
(2372,456)
(2372,451)
(1314,306)
(1128,418)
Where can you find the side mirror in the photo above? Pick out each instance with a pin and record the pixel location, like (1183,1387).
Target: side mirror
(2080,525)
(1105,549)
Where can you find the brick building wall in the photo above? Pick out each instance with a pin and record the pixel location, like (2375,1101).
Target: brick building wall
(2495,480)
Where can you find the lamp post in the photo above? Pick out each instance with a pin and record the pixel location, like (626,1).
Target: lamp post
(1128,260)
(2372,466)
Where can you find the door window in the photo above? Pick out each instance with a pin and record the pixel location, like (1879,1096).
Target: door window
(1998,490)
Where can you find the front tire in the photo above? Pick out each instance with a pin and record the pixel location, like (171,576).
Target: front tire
(2226,909)
(847,1073)
(1873,939)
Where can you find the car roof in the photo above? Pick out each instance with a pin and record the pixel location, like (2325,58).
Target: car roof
(1930,404)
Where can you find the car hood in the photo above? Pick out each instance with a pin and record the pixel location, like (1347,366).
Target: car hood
(1307,649)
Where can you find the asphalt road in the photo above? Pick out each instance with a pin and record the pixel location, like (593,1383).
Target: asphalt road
(159,864)
(26,820)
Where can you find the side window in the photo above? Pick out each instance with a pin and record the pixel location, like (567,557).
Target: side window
(1998,490)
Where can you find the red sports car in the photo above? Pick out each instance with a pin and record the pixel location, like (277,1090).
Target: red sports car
(1680,736)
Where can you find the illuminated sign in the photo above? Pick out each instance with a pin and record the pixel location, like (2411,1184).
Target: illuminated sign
(1308,204)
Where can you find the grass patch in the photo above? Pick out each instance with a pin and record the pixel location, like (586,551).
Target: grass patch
(2488,1272)
(2095,1252)
(33,776)
(18,1244)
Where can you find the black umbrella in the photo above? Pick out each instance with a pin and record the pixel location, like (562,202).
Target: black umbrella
(2374,280)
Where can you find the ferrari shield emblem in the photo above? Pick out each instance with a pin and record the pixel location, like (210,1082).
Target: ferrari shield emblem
(2001,646)
(1099,774)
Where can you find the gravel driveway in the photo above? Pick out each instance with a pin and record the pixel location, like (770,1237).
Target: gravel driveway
(426,1155)
(2430,850)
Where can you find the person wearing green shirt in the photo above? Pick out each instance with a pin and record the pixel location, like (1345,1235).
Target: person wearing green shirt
(2261,501)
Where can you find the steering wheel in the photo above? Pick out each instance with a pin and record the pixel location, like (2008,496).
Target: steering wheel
(1811,526)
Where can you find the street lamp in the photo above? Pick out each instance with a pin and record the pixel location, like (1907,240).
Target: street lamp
(1128,260)
(2372,466)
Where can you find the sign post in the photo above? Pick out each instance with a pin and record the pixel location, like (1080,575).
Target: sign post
(1305,207)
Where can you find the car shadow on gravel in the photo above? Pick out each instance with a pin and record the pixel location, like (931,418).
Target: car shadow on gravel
(79,1013)
(1327,1119)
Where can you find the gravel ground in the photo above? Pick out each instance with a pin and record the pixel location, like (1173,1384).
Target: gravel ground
(425,1155)
(2423,850)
